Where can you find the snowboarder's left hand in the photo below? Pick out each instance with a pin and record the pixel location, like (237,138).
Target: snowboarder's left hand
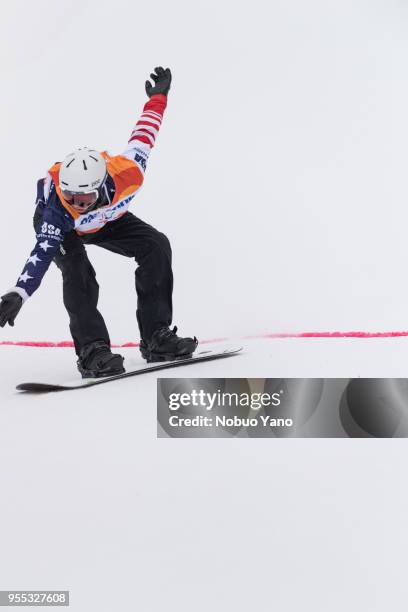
(9,308)
(162,81)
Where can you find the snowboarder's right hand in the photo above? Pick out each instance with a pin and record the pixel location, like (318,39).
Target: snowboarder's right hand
(9,308)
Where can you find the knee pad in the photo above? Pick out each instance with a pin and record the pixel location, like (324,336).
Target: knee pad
(164,243)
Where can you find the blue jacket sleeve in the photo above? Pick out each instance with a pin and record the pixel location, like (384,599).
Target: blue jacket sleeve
(51,224)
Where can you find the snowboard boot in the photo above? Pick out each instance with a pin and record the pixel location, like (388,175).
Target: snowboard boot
(97,360)
(165,345)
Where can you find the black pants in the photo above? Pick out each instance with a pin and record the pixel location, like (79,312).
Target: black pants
(131,237)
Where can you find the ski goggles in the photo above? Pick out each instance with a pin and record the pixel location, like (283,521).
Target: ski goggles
(80,201)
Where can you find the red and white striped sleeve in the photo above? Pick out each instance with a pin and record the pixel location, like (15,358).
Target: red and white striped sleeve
(143,136)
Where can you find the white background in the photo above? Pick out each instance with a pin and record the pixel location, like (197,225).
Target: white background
(280,178)
(279,174)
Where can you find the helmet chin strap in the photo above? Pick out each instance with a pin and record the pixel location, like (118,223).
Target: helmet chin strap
(107,193)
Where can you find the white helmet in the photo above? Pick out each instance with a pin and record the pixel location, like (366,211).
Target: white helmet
(82,172)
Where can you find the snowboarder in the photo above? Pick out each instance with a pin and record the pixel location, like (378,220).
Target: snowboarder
(85,200)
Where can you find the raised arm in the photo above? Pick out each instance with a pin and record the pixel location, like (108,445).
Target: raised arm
(144,133)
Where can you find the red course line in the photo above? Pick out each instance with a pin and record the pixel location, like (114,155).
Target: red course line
(62,344)
(333,334)
(337,334)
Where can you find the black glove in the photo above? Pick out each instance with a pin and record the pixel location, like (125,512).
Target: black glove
(9,308)
(162,81)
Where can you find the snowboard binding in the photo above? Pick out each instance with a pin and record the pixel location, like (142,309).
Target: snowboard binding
(96,360)
(165,345)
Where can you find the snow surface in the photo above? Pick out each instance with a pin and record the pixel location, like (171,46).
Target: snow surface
(280,177)
(94,503)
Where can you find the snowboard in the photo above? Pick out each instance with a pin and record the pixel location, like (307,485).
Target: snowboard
(199,356)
